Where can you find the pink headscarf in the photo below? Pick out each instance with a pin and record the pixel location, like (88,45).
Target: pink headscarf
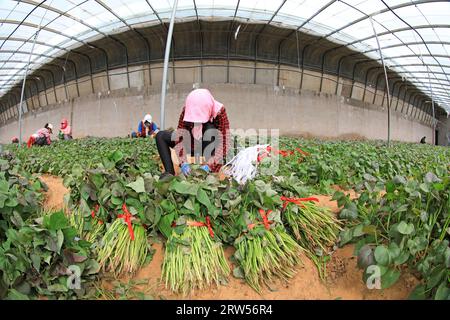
(200,107)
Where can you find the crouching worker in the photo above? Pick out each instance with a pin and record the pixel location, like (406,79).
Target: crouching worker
(41,137)
(65,131)
(203,130)
(146,128)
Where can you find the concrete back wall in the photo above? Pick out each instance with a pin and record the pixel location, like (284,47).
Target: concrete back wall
(248,106)
(116,112)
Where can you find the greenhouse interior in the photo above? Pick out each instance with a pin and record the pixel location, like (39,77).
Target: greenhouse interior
(224,150)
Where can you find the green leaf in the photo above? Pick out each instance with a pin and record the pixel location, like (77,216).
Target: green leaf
(165,224)
(238,273)
(345,237)
(60,237)
(116,156)
(57,288)
(348,214)
(57,221)
(189,205)
(11,202)
(358,231)
(424,187)
(4,186)
(184,187)
(436,276)
(85,191)
(203,198)
(419,293)
(97,180)
(402,258)
(382,255)
(369,177)
(77,170)
(3,198)
(137,185)
(394,250)
(17,219)
(116,201)
(389,278)
(443,292)
(36,260)
(405,228)
(13,294)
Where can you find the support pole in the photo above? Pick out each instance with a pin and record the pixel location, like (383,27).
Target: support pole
(23,86)
(432,109)
(387,84)
(166,64)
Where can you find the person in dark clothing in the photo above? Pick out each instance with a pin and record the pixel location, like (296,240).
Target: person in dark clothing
(203,126)
(423,140)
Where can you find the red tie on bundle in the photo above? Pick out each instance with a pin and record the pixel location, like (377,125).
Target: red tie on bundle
(93,212)
(283,153)
(127,218)
(265,154)
(302,152)
(202,224)
(265,220)
(297,201)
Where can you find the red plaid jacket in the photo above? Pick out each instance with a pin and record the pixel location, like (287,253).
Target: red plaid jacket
(223,140)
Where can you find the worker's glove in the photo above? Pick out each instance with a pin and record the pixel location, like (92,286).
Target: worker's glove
(186,168)
(206,168)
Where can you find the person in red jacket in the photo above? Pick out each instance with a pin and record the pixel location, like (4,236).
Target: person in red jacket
(200,114)
(41,137)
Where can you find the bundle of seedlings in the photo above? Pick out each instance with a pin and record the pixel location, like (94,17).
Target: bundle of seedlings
(314,227)
(265,251)
(193,259)
(89,228)
(124,247)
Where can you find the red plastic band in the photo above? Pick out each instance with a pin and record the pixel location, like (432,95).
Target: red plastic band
(297,201)
(127,218)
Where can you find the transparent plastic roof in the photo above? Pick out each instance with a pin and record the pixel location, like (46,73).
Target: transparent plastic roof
(414,35)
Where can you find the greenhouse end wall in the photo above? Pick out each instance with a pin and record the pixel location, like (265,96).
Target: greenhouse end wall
(248,106)
(253,99)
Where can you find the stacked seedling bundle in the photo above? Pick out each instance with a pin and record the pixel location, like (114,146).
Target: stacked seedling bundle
(124,247)
(264,250)
(89,228)
(264,255)
(194,256)
(314,227)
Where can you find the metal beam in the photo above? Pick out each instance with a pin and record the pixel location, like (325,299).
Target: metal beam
(259,34)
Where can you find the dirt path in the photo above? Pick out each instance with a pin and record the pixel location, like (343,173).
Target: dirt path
(344,280)
(54,197)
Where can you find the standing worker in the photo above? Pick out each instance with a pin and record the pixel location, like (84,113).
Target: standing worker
(65,132)
(200,114)
(146,128)
(41,137)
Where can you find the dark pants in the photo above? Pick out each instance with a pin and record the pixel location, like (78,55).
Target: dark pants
(41,141)
(164,143)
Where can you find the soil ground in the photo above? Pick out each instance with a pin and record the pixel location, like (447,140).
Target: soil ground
(56,191)
(344,279)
